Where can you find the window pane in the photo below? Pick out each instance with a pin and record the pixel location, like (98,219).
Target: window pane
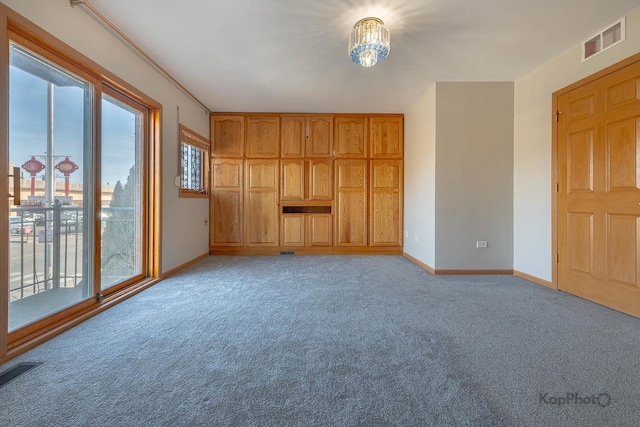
(50,245)
(121,216)
(191,167)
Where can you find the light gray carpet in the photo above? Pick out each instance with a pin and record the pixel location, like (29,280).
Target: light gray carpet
(353,341)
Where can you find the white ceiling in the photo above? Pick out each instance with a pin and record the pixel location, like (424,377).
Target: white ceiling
(291,55)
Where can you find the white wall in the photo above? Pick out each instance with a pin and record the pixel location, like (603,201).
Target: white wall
(532,145)
(420,178)
(474,175)
(184,233)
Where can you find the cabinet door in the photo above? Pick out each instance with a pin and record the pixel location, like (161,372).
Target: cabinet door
(351,201)
(386,203)
(320,230)
(293,230)
(351,137)
(386,137)
(320,179)
(226,212)
(293,136)
(227,136)
(292,185)
(261,200)
(263,137)
(319,136)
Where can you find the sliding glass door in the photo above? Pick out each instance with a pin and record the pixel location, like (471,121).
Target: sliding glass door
(50,148)
(78,211)
(122,215)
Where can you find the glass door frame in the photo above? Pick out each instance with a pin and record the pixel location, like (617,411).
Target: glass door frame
(144,204)
(14,27)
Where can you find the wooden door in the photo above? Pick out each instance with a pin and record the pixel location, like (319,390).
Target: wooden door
(227,136)
(386,203)
(263,137)
(351,202)
(293,230)
(293,136)
(319,136)
(293,180)
(386,137)
(598,211)
(262,216)
(321,179)
(351,137)
(320,230)
(226,213)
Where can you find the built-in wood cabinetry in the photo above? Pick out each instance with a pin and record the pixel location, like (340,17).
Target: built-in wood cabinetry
(386,203)
(227,134)
(351,202)
(306,230)
(315,183)
(263,137)
(386,137)
(351,137)
(227,202)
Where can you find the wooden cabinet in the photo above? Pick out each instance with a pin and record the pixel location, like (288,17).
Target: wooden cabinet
(320,230)
(351,137)
(386,203)
(320,183)
(261,201)
(293,135)
(387,137)
(320,179)
(351,202)
(293,180)
(293,230)
(263,137)
(306,180)
(227,136)
(319,136)
(226,213)
(300,230)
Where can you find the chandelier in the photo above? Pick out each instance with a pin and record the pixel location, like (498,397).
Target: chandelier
(369,42)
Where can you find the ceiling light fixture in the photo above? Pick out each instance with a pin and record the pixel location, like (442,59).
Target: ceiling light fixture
(369,42)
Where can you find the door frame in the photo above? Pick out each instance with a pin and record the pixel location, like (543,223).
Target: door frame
(12,22)
(554,153)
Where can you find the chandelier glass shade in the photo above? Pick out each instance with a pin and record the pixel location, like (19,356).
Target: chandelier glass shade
(369,42)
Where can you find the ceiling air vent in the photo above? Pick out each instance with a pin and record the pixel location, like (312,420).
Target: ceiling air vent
(604,39)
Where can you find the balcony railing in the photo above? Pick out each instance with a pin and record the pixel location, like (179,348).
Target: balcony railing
(46,248)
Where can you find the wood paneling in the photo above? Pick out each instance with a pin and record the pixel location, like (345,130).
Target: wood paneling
(386,137)
(386,203)
(321,179)
(226,213)
(351,203)
(598,211)
(263,137)
(293,230)
(319,136)
(261,199)
(293,134)
(227,136)
(293,180)
(351,139)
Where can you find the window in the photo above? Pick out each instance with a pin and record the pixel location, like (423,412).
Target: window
(194,164)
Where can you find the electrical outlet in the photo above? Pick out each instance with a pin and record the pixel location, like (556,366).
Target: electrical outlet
(481,244)
(406,234)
